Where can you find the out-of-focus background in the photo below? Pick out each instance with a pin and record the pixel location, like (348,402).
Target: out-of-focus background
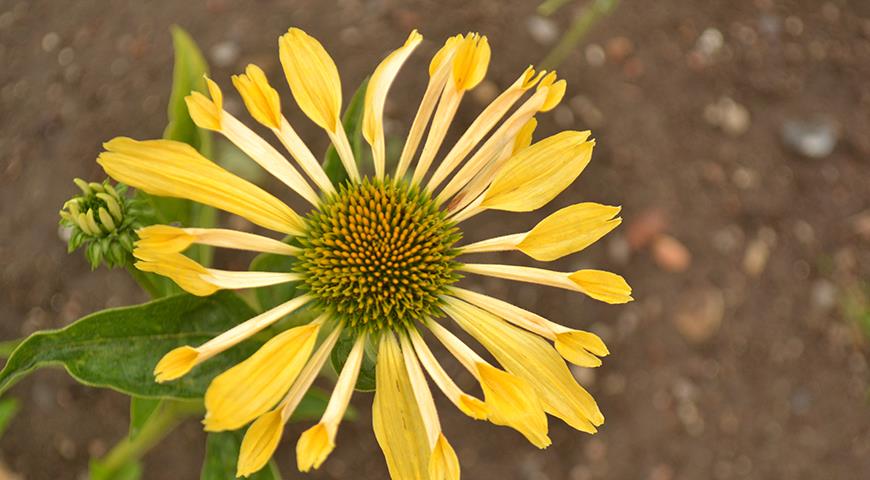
(735,134)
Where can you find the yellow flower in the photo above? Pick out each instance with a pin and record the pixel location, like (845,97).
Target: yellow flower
(378,257)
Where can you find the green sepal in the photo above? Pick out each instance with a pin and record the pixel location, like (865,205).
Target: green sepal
(352,121)
(119,347)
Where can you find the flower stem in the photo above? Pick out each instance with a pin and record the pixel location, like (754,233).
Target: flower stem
(167,416)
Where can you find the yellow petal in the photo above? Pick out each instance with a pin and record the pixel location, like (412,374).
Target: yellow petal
(531,358)
(174,169)
(444,53)
(600,285)
(376,96)
(470,62)
(313,78)
(259,443)
(396,418)
(443,464)
(205,112)
(535,175)
(164,238)
(513,402)
(313,447)
(185,272)
(581,348)
(473,407)
(524,137)
(569,230)
(250,388)
(555,91)
(260,98)
(175,364)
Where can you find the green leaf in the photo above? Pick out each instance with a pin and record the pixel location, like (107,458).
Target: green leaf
(141,410)
(221,454)
(129,471)
(118,348)
(366,380)
(352,121)
(8,409)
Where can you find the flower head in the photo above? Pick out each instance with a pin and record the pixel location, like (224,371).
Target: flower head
(378,257)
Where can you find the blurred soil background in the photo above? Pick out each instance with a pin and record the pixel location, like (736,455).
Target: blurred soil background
(735,134)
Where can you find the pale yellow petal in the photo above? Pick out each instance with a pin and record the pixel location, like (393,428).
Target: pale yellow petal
(569,230)
(175,364)
(252,387)
(443,464)
(164,238)
(600,285)
(174,169)
(581,348)
(396,418)
(313,78)
(169,239)
(555,91)
(535,175)
(259,443)
(376,97)
(444,54)
(531,358)
(315,444)
(205,112)
(260,98)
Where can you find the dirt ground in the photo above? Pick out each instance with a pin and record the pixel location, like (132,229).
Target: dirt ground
(741,357)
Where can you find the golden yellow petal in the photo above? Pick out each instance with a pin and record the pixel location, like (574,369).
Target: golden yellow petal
(175,364)
(581,348)
(513,402)
(569,230)
(259,443)
(535,175)
(255,385)
(443,53)
(164,238)
(524,137)
(205,112)
(443,464)
(600,285)
(396,418)
(260,98)
(555,91)
(531,358)
(473,407)
(470,62)
(184,271)
(313,447)
(174,169)
(313,78)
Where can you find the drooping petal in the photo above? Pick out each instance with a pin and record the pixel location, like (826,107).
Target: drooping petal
(555,91)
(255,385)
(533,177)
(604,286)
(317,442)
(259,443)
(443,464)
(206,112)
(510,400)
(471,61)
(567,231)
(581,348)
(376,96)
(175,364)
(260,98)
(533,359)
(169,239)
(265,433)
(396,417)
(174,169)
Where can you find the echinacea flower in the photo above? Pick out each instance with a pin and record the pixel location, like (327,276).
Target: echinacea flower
(378,257)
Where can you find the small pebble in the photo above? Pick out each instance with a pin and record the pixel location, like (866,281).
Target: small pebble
(699,314)
(50,41)
(812,138)
(543,30)
(224,54)
(595,55)
(670,254)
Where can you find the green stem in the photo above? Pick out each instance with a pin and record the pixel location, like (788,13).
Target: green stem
(549,7)
(145,282)
(168,415)
(582,23)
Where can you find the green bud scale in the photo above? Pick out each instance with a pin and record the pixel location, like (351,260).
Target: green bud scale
(103,221)
(378,254)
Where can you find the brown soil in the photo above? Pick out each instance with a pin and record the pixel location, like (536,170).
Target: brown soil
(735,362)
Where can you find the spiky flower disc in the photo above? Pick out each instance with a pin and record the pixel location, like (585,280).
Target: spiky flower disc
(379,254)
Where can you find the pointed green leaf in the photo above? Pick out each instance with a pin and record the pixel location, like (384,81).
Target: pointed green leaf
(118,348)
